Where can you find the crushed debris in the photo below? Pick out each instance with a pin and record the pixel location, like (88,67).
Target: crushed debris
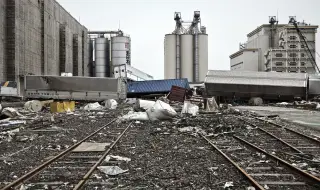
(112,170)
(111,104)
(93,106)
(33,106)
(117,158)
(190,108)
(10,112)
(228,184)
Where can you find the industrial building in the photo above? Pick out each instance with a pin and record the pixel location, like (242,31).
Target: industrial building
(278,47)
(186,50)
(39,37)
(110,56)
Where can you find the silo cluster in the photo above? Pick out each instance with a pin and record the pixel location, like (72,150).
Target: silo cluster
(108,49)
(186,50)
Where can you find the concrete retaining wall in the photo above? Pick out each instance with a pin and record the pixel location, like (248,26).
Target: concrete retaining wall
(30,40)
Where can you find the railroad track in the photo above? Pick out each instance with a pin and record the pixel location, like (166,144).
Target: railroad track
(305,143)
(263,170)
(287,144)
(72,168)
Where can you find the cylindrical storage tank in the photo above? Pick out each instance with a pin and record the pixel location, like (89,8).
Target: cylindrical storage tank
(203,56)
(91,68)
(101,58)
(120,50)
(170,56)
(187,56)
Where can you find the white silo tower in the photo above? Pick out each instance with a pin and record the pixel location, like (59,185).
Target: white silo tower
(120,50)
(101,57)
(203,56)
(186,51)
(187,56)
(170,56)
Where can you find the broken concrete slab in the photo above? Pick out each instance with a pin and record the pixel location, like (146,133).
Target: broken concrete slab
(91,147)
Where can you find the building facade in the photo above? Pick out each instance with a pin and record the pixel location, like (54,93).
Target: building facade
(39,37)
(278,49)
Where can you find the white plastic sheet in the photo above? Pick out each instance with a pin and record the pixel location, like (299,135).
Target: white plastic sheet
(133,116)
(93,106)
(111,170)
(161,111)
(111,104)
(118,158)
(143,105)
(190,108)
(228,184)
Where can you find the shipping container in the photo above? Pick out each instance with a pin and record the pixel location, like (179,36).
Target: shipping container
(155,86)
(75,88)
(247,84)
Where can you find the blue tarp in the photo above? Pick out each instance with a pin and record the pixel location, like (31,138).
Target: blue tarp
(155,86)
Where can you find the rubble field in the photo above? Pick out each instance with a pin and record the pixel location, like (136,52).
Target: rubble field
(34,142)
(162,154)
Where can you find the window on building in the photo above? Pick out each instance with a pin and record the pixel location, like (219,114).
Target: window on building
(293,46)
(302,45)
(292,37)
(293,63)
(303,64)
(292,55)
(278,54)
(303,55)
(279,63)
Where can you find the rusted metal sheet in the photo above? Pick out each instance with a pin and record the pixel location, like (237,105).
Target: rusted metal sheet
(177,94)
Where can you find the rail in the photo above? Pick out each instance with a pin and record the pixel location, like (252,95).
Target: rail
(288,129)
(40,168)
(93,168)
(252,181)
(311,177)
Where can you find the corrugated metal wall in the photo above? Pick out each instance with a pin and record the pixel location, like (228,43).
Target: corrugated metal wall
(30,40)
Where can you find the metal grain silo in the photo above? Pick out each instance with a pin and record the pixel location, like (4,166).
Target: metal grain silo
(187,56)
(203,56)
(101,57)
(170,56)
(120,50)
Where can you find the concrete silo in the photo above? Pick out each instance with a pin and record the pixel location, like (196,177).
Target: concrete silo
(203,56)
(170,54)
(186,50)
(101,57)
(187,56)
(120,50)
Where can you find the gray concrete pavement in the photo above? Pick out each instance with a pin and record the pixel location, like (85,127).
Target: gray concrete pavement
(302,117)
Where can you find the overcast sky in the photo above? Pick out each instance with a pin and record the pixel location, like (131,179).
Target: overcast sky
(147,21)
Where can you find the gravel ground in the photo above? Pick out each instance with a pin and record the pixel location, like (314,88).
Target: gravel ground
(28,148)
(164,155)
(306,162)
(167,155)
